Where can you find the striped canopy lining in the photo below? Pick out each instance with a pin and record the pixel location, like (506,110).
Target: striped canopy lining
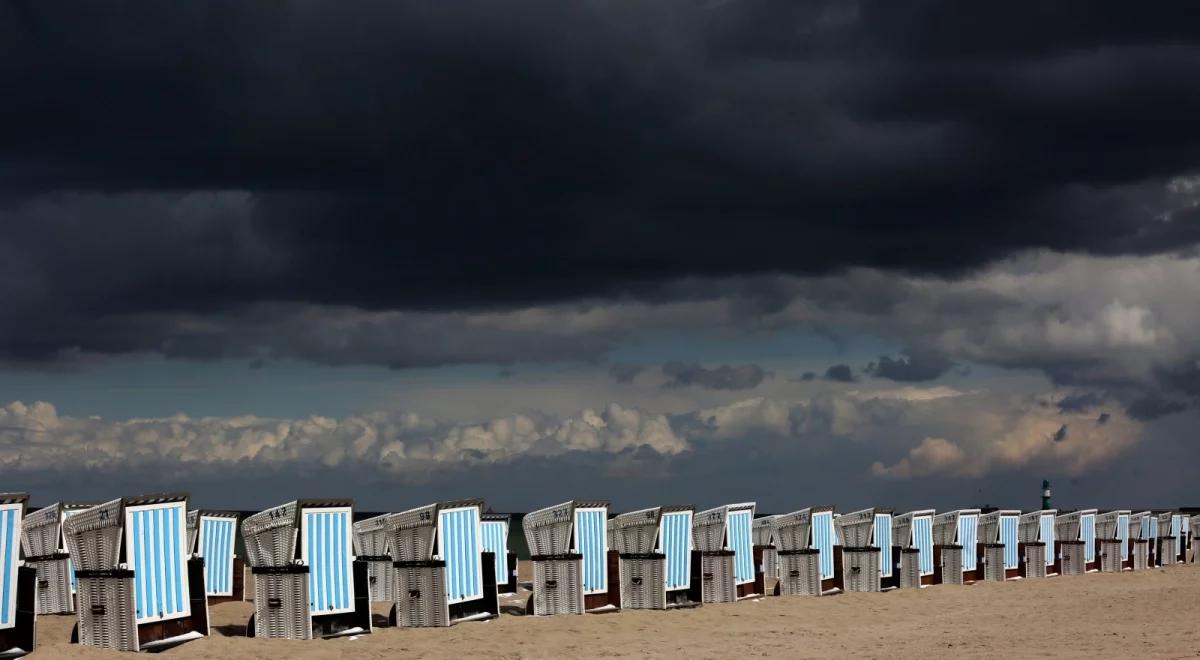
(459,545)
(675,539)
(495,540)
(216,546)
(1087,533)
(741,541)
(326,547)
(968,538)
(1123,534)
(822,540)
(922,540)
(591,541)
(1009,524)
(155,539)
(883,540)
(67,513)
(10,554)
(1047,536)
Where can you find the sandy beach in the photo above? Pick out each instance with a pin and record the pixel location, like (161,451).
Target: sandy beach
(1151,614)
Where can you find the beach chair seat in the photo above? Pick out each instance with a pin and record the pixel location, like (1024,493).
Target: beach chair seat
(799,573)
(137,587)
(993,562)
(635,538)
(910,568)
(1166,546)
(46,552)
(861,557)
(717,576)
(766,553)
(1112,540)
(495,531)
(18,608)
(723,559)
(569,544)
(557,585)
(306,581)
(913,545)
(420,594)
(373,547)
(1193,552)
(1110,559)
(443,573)
(1072,531)
(804,538)
(999,547)
(1032,549)
(861,569)
(1071,554)
(281,603)
(675,544)
(950,564)
(654,551)
(213,536)
(1172,538)
(643,583)
(955,536)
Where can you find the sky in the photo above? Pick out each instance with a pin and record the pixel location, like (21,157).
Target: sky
(921,254)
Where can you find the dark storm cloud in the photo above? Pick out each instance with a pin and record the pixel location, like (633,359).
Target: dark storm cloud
(1152,407)
(724,377)
(1103,419)
(840,373)
(1060,434)
(1184,378)
(911,366)
(1080,402)
(466,155)
(625,373)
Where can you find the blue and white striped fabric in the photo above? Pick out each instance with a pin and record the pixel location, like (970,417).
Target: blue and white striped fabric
(741,541)
(968,538)
(155,539)
(883,541)
(1186,526)
(591,541)
(1008,536)
(922,540)
(1087,529)
(1177,532)
(1150,527)
(1047,536)
(676,544)
(1123,534)
(216,546)
(495,541)
(822,539)
(327,548)
(70,562)
(459,544)
(10,554)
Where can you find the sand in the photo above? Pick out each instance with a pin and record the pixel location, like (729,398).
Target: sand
(1147,614)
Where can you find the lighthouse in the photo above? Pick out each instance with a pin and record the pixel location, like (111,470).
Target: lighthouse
(1045,494)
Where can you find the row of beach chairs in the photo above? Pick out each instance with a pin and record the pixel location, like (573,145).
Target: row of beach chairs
(140,572)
